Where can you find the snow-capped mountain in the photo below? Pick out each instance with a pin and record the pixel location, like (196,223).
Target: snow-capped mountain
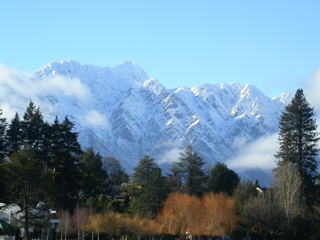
(121,112)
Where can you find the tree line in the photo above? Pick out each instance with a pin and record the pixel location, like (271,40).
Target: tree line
(44,162)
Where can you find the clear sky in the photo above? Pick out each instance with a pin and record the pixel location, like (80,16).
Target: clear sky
(274,45)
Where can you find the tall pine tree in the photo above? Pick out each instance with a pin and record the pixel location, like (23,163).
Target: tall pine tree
(3,127)
(14,135)
(28,180)
(189,171)
(64,151)
(33,128)
(94,179)
(149,187)
(298,141)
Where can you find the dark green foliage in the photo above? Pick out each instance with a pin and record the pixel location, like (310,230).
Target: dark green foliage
(298,141)
(54,145)
(3,126)
(101,204)
(149,188)
(28,179)
(118,206)
(223,179)
(34,128)
(31,131)
(14,135)
(64,151)
(189,171)
(94,179)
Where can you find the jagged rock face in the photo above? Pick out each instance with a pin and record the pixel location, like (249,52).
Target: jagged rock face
(121,112)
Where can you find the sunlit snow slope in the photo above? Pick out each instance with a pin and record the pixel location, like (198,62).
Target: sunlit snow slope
(121,112)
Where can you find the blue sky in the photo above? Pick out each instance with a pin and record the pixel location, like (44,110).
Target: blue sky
(274,45)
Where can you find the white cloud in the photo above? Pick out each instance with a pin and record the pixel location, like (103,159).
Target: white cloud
(65,86)
(16,89)
(95,119)
(14,83)
(170,156)
(259,154)
(20,84)
(171,153)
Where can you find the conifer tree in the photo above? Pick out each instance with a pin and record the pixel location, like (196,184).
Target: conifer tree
(190,172)
(31,131)
(14,135)
(28,181)
(223,179)
(33,127)
(94,179)
(3,126)
(298,140)
(149,187)
(64,150)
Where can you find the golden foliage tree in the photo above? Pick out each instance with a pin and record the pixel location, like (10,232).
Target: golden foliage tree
(176,214)
(118,225)
(213,215)
(220,214)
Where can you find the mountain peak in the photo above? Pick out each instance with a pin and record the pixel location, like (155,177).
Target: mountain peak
(127,71)
(131,69)
(130,115)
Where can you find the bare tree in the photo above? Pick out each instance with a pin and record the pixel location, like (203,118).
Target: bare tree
(81,216)
(288,189)
(116,173)
(265,215)
(65,224)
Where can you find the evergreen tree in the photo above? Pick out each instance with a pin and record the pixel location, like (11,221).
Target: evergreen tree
(298,141)
(28,178)
(64,151)
(14,135)
(3,126)
(223,179)
(189,171)
(94,179)
(33,128)
(149,187)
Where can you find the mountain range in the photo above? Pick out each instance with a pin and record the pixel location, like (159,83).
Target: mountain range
(122,112)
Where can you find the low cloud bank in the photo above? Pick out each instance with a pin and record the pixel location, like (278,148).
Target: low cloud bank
(257,155)
(17,89)
(260,154)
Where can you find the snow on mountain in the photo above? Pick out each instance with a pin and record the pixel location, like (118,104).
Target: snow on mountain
(121,112)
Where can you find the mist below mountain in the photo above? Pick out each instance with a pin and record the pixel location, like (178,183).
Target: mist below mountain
(123,113)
